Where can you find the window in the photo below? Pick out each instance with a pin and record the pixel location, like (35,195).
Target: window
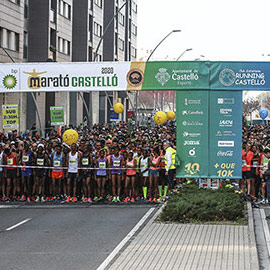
(134,7)
(97,29)
(25,44)
(52,16)
(26,10)
(121,43)
(15,1)
(90,28)
(134,29)
(98,3)
(64,9)
(63,46)
(9,39)
(121,19)
(133,52)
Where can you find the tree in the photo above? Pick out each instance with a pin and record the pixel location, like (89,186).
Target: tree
(250,105)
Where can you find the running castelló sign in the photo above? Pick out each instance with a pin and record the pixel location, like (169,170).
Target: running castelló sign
(119,76)
(209,100)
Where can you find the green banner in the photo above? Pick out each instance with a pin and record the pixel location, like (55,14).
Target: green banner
(225,134)
(192,133)
(57,116)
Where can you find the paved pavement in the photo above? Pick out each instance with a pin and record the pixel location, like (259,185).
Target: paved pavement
(179,246)
(63,237)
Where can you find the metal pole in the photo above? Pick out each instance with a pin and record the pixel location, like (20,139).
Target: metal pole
(186,50)
(33,96)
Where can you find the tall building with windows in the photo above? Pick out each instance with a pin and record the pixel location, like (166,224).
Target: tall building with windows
(65,31)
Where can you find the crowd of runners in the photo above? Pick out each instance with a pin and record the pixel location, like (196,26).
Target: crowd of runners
(108,163)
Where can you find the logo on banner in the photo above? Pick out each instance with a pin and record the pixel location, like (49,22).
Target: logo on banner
(192,102)
(34,80)
(162,76)
(225,143)
(192,123)
(188,134)
(226,112)
(192,112)
(192,152)
(9,81)
(225,101)
(226,123)
(225,153)
(227,77)
(135,77)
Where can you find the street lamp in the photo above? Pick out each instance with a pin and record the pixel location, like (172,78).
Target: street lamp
(186,50)
(173,31)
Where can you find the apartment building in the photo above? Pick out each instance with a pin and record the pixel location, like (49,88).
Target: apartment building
(65,31)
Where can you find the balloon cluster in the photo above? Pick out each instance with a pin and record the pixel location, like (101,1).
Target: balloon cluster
(161,117)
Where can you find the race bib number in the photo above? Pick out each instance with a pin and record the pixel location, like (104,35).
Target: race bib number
(154,163)
(255,163)
(56,163)
(85,161)
(116,163)
(102,165)
(244,162)
(25,158)
(130,164)
(144,166)
(40,161)
(10,161)
(72,162)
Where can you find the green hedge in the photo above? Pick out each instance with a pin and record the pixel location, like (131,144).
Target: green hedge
(193,204)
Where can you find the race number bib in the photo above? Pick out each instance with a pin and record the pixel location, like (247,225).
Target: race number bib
(244,162)
(25,158)
(130,164)
(85,161)
(72,162)
(40,161)
(56,163)
(10,161)
(116,163)
(102,165)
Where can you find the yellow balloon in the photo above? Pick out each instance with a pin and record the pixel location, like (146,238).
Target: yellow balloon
(170,115)
(118,107)
(70,136)
(160,118)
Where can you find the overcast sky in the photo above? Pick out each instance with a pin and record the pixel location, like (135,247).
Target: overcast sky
(218,29)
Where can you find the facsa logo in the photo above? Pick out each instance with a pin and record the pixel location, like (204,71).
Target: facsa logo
(225,143)
(225,153)
(191,142)
(226,123)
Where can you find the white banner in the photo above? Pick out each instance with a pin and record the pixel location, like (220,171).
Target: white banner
(47,77)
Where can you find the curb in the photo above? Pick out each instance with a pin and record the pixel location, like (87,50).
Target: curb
(252,241)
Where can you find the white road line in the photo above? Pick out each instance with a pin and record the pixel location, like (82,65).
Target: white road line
(266,230)
(18,224)
(125,240)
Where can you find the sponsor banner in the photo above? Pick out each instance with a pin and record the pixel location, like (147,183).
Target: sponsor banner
(253,76)
(10,115)
(225,134)
(192,133)
(57,116)
(113,115)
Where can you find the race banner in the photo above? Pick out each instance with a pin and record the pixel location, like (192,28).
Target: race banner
(10,116)
(192,134)
(121,76)
(225,136)
(57,116)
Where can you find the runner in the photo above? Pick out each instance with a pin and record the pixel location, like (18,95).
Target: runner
(144,167)
(131,164)
(101,175)
(154,174)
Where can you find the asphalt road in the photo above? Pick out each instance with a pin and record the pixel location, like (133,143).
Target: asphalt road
(63,238)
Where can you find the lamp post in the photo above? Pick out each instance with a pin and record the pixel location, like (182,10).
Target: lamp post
(173,31)
(186,50)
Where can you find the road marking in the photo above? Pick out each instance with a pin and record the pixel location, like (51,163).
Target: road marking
(18,224)
(266,230)
(125,240)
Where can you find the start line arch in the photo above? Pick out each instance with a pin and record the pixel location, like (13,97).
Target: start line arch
(209,100)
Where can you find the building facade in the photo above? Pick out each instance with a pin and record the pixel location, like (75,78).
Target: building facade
(65,31)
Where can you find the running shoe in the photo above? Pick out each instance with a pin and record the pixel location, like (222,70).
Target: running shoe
(37,199)
(262,201)
(7,199)
(18,198)
(118,199)
(52,199)
(159,199)
(22,198)
(155,200)
(150,200)
(28,199)
(3,198)
(47,199)
(89,200)
(132,200)
(110,198)
(68,199)
(74,199)
(42,199)
(33,198)
(85,200)
(96,198)
(114,199)
(143,199)
(126,199)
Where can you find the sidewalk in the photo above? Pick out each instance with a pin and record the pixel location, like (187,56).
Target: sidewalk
(180,246)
